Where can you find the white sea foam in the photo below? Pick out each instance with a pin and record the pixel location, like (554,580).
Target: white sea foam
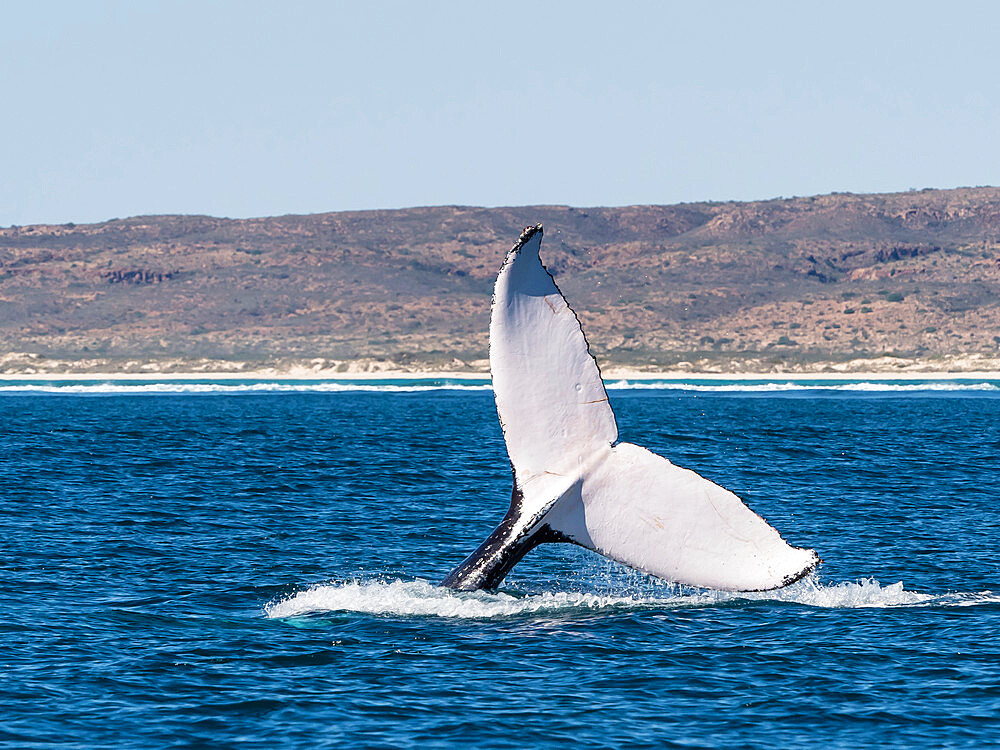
(235,388)
(777,387)
(420,598)
(417,386)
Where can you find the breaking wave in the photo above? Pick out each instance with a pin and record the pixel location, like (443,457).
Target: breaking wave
(416,385)
(422,599)
(236,388)
(817,385)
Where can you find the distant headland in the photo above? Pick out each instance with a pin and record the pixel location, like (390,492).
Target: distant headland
(893,283)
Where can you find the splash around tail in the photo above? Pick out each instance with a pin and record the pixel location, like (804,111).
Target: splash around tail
(418,598)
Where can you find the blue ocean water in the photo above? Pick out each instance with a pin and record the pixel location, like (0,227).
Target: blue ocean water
(254,564)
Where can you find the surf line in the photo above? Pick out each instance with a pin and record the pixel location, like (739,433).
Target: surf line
(574,482)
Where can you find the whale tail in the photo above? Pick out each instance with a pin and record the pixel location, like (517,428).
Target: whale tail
(574,482)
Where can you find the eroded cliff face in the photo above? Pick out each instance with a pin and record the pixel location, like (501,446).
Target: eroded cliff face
(791,281)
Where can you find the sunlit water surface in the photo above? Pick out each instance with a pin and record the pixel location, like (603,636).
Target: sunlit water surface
(255,564)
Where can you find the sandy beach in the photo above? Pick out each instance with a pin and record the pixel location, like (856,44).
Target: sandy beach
(386,375)
(26,367)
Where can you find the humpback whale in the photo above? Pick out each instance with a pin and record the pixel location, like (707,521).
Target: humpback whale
(574,482)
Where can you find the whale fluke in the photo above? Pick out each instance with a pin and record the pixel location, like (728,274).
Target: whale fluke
(573,482)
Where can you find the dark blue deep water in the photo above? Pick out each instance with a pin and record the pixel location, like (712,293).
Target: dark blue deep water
(256,569)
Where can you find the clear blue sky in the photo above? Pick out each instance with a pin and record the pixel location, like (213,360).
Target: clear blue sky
(251,109)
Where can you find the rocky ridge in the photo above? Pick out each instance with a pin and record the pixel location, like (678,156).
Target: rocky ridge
(800,283)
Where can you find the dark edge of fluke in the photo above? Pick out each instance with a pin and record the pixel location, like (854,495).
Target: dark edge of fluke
(526,234)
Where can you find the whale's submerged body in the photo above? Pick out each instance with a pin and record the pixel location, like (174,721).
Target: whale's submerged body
(573,482)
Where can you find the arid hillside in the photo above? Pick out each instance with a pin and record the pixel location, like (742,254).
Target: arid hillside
(785,282)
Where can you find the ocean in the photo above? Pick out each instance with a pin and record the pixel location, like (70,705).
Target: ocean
(254,564)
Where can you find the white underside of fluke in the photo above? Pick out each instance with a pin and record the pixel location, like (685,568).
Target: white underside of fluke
(572,478)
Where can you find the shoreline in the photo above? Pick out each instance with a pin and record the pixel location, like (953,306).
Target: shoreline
(613,374)
(23,366)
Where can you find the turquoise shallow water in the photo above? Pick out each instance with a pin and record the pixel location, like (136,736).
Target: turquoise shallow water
(253,564)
